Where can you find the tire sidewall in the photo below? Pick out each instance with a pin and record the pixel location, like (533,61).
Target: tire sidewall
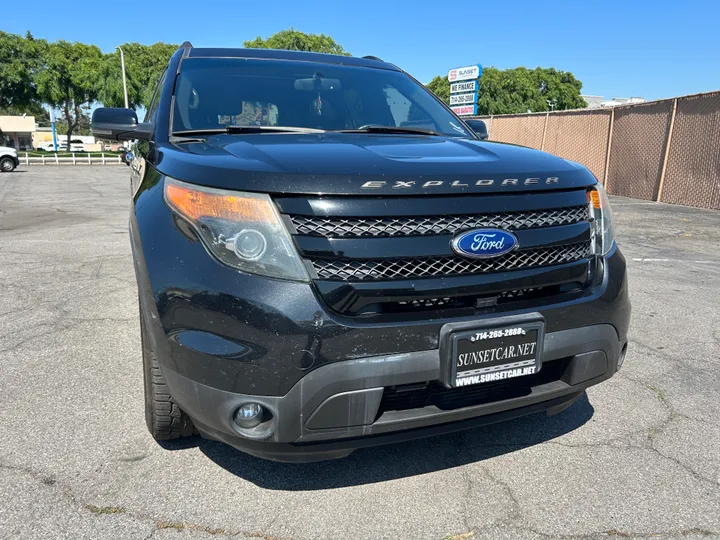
(4,167)
(147,356)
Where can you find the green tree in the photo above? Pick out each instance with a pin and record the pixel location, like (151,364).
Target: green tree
(82,127)
(294,40)
(20,58)
(560,88)
(144,65)
(68,80)
(519,90)
(440,86)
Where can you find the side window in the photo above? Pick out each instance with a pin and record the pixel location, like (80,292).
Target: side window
(152,109)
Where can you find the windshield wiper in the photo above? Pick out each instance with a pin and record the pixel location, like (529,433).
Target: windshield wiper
(247,129)
(391,129)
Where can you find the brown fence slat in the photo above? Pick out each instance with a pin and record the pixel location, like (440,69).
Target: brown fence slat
(692,176)
(580,136)
(638,146)
(638,155)
(526,130)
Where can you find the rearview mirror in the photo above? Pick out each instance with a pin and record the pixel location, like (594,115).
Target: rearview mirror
(478,127)
(318,83)
(118,124)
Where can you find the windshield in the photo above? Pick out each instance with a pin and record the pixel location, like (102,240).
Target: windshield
(214,93)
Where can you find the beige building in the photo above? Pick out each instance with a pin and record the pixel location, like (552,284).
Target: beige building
(17,132)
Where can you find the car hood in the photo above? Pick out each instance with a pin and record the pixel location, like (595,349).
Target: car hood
(368,164)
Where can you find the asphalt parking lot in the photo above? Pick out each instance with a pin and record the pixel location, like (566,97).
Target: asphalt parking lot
(636,457)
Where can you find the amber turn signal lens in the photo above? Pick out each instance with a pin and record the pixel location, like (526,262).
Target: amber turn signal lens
(594,198)
(206,204)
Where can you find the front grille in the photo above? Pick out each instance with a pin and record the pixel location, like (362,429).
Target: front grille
(516,294)
(416,267)
(435,395)
(337,227)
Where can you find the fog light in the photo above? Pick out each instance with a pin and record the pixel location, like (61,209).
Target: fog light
(249,415)
(250,244)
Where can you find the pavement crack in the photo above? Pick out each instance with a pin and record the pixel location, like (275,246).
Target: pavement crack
(22,342)
(110,511)
(516,512)
(468,497)
(686,467)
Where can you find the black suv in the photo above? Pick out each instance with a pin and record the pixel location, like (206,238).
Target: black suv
(328,258)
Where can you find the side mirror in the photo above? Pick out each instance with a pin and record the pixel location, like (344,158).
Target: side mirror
(118,124)
(479,127)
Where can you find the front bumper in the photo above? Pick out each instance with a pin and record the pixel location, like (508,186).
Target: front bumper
(337,408)
(224,338)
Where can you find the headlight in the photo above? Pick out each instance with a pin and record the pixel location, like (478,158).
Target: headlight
(243,230)
(603,233)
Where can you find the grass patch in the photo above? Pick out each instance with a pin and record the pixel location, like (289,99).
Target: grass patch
(462,536)
(178,526)
(105,509)
(170,525)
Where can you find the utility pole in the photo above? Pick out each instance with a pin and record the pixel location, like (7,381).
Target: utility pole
(122,64)
(54,133)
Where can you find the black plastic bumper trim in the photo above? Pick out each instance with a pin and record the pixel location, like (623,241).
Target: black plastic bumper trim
(213,408)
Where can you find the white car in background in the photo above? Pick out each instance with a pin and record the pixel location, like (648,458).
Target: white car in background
(8,159)
(75,146)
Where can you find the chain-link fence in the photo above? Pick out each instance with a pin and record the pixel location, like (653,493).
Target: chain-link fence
(638,148)
(665,150)
(580,136)
(524,129)
(692,175)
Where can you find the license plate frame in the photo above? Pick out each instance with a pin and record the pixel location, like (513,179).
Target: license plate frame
(452,333)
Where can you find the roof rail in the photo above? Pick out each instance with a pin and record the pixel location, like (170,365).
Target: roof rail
(186,45)
(370,57)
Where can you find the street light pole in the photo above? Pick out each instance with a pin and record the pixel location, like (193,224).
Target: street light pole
(122,64)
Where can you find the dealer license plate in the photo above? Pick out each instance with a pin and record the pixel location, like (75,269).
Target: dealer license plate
(494,354)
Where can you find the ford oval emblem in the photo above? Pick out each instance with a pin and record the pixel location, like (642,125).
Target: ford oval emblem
(484,243)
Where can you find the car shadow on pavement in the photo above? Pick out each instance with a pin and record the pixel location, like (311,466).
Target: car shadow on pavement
(390,462)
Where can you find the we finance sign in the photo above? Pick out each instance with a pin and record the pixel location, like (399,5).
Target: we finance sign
(469,86)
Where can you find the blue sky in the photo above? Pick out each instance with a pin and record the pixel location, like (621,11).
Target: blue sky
(625,48)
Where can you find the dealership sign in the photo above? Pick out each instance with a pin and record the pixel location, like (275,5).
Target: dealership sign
(465,73)
(462,99)
(465,110)
(469,86)
(464,94)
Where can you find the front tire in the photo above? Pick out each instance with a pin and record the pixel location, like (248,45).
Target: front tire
(7,164)
(164,418)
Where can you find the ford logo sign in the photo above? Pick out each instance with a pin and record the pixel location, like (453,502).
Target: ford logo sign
(484,243)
